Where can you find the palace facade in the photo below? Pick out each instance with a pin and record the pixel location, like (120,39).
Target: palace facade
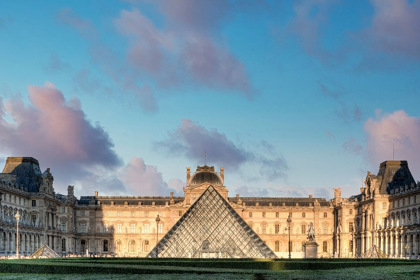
(384,214)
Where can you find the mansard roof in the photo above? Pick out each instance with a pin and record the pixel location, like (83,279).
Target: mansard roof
(392,174)
(131,200)
(25,171)
(280,201)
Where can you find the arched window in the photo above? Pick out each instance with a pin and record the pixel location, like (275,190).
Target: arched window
(63,244)
(277,246)
(132,246)
(105,249)
(324,246)
(146,246)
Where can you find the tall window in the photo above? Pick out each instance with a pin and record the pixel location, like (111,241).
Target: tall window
(82,213)
(263,214)
(133,228)
(105,249)
(351,246)
(303,229)
(350,226)
(160,228)
(83,228)
(119,213)
(133,213)
(277,214)
(276,229)
(63,245)
(33,219)
(105,228)
(277,246)
(63,226)
(303,214)
(263,228)
(33,203)
(383,205)
(325,214)
(324,246)
(250,214)
(119,228)
(132,246)
(146,246)
(179,213)
(146,228)
(351,211)
(63,209)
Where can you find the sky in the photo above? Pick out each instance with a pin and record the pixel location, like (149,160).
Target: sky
(291,98)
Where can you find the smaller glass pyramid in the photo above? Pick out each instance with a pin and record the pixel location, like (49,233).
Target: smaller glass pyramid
(211,228)
(45,251)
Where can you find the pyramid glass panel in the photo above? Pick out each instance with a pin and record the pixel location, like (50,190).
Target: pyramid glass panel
(211,228)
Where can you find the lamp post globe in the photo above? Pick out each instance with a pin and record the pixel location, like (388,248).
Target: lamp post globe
(17,217)
(157,235)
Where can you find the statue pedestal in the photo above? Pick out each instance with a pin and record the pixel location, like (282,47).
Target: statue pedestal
(311,250)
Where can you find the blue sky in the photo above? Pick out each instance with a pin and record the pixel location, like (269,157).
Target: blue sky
(291,97)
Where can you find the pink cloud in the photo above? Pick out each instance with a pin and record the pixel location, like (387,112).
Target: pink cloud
(398,129)
(351,146)
(56,132)
(192,140)
(69,17)
(189,53)
(310,17)
(55,64)
(395,27)
(143,179)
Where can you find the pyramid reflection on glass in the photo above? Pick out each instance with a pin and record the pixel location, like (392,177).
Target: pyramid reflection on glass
(211,228)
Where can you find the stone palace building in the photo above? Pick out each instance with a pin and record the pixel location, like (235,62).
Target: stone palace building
(206,221)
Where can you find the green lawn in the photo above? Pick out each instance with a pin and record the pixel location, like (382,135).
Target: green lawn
(103,268)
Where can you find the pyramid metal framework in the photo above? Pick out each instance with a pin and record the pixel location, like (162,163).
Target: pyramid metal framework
(374,253)
(211,228)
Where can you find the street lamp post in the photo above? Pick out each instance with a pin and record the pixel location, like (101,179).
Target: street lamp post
(17,216)
(157,235)
(289,221)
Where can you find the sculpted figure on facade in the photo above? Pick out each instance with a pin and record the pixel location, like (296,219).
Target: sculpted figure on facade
(311,232)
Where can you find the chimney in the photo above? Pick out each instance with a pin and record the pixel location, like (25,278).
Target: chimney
(96,193)
(222,174)
(188,174)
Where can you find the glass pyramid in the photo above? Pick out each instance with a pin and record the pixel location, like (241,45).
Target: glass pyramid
(211,228)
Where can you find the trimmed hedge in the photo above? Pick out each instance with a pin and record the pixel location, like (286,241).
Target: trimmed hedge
(164,266)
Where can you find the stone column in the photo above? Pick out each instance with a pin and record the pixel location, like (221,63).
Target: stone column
(384,241)
(411,242)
